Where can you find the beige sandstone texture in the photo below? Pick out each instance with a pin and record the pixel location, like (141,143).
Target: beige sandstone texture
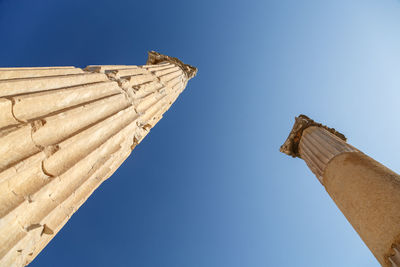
(365,191)
(63,131)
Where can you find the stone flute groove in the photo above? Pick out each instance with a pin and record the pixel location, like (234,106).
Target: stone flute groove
(63,131)
(318,147)
(366,192)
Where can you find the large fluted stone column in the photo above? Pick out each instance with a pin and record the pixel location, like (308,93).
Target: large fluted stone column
(63,131)
(365,191)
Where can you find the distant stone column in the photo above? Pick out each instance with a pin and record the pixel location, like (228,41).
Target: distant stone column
(365,191)
(63,131)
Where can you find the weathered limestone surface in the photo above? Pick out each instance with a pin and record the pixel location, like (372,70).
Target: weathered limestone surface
(365,191)
(63,131)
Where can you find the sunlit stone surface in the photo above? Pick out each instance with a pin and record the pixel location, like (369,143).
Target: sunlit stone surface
(63,131)
(365,191)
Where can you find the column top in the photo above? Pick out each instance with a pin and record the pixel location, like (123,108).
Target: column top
(155,58)
(291,145)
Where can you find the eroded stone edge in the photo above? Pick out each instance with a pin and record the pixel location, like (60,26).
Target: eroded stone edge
(302,122)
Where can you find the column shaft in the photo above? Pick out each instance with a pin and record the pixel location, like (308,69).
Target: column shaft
(65,130)
(365,191)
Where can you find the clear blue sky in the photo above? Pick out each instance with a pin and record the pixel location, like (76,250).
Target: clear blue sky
(208,187)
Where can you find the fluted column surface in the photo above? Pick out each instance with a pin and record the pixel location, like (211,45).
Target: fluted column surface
(365,191)
(318,146)
(63,131)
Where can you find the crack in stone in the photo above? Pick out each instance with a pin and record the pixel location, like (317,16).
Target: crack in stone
(12,110)
(45,171)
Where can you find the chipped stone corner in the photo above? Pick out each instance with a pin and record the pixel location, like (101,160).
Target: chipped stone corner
(93,68)
(302,122)
(156,58)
